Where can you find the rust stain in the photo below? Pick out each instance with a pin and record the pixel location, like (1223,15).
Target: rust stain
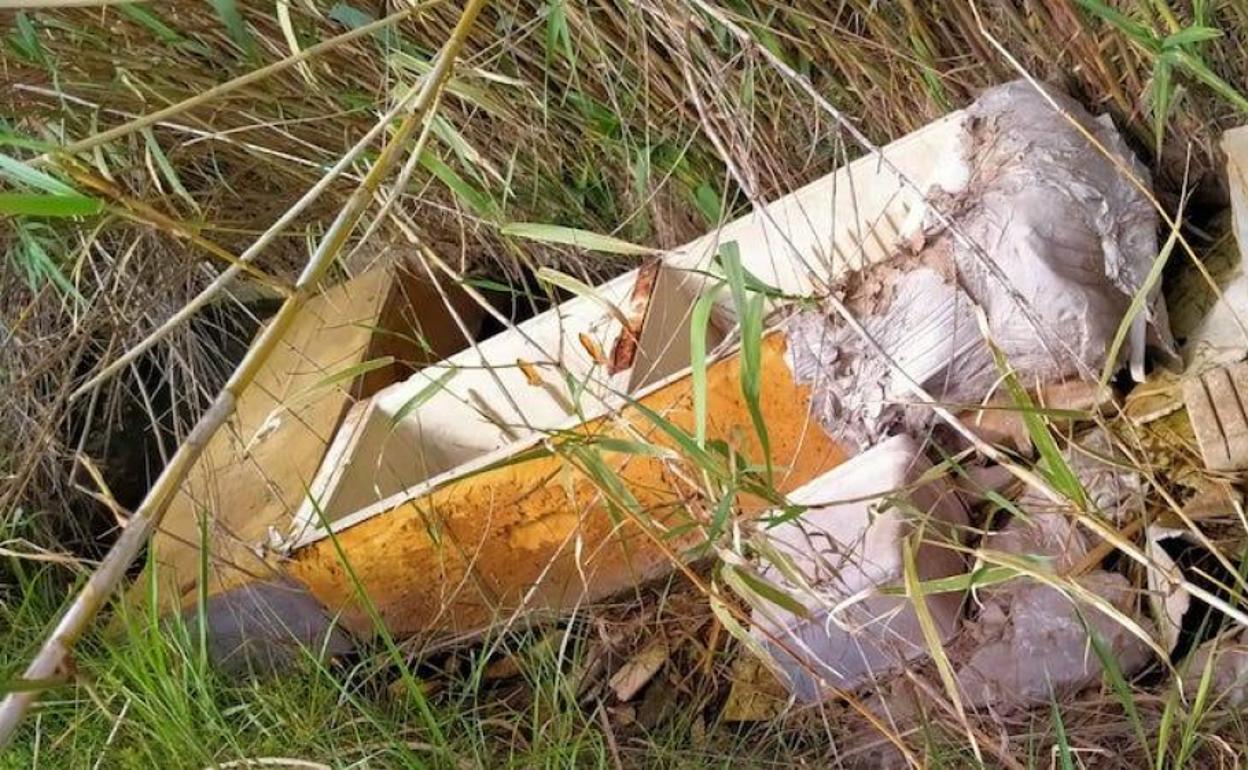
(624,351)
(538,535)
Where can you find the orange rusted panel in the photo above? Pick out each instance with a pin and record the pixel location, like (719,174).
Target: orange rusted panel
(538,534)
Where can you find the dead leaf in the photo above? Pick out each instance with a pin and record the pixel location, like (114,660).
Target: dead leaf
(505,667)
(530,372)
(592,348)
(638,671)
(1156,397)
(756,694)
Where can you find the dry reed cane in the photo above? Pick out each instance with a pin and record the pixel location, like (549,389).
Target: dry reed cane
(56,649)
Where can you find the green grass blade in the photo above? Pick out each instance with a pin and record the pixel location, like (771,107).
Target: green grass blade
(154,24)
(1138,32)
(412,685)
(16,172)
(581,289)
(931,635)
(167,170)
(1118,683)
(349,16)
(347,374)
(1063,742)
(1190,36)
(759,592)
(32,257)
(1169,715)
(1053,465)
(698,324)
(1138,305)
(201,591)
(235,25)
(570,236)
(979,578)
(25,40)
(699,456)
(750,310)
(423,395)
(730,623)
(1163,96)
(33,205)
(477,200)
(1195,67)
(558,34)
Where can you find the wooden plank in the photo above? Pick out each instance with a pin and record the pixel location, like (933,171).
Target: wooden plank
(537,534)
(254,473)
(1216,401)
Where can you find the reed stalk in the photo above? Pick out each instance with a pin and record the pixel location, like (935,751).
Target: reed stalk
(57,649)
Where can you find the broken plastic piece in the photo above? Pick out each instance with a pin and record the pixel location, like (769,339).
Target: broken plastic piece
(845,551)
(531,528)
(1043,233)
(488,498)
(254,473)
(1216,403)
(1072,233)
(1228,658)
(1031,641)
(1169,602)
(1222,336)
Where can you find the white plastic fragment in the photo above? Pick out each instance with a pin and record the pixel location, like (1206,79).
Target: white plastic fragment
(846,551)
(1070,230)
(1168,601)
(926,327)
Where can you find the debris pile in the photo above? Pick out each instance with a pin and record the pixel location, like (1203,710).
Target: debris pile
(1036,526)
(1016,274)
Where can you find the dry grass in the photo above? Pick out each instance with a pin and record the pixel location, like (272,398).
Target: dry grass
(572,114)
(612,117)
